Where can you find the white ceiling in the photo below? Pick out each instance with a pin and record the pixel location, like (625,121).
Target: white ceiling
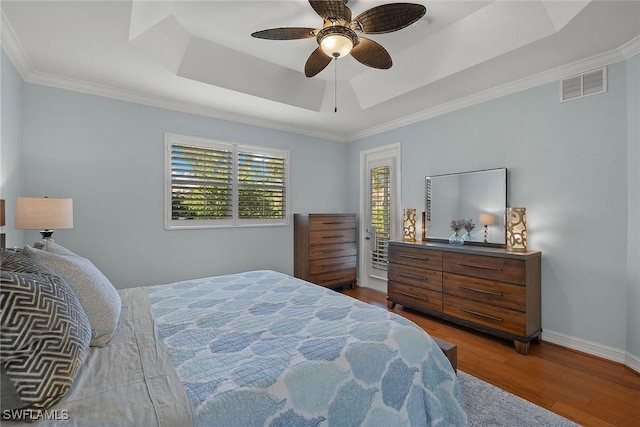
(199,57)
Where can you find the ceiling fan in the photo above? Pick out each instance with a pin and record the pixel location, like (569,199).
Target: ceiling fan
(338,36)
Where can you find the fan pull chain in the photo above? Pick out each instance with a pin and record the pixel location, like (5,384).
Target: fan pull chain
(335,85)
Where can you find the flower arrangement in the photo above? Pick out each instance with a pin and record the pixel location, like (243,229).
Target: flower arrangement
(468,224)
(456,224)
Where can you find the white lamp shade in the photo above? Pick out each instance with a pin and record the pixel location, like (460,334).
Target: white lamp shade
(487,219)
(43,213)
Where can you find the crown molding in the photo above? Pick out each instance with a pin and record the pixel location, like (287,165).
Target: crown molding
(106,91)
(622,53)
(16,52)
(14,49)
(630,48)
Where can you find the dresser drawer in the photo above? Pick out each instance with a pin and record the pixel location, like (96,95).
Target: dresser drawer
(329,222)
(331,264)
(486,267)
(330,278)
(417,296)
(326,237)
(332,251)
(503,319)
(417,257)
(415,276)
(501,294)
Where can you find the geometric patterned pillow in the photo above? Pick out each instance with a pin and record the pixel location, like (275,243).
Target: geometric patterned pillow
(44,337)
(19,262)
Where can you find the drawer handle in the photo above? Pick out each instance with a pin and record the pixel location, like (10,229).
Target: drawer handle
(414,257)
(483,267)
(332,222)
(411,276)
(335,264)
(475,313)
(482,291)
(412,295)
(330,251)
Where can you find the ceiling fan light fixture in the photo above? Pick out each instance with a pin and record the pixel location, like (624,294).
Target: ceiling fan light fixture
(338,36)
(337,41)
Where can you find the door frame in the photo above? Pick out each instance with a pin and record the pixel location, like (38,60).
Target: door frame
(394,152)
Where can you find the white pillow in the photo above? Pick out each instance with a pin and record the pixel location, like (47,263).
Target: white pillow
(98,296)
(55,248)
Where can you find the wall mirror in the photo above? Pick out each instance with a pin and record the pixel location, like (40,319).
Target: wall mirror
(480,196)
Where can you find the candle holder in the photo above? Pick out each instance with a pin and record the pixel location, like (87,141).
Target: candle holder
(516,229)
(409,225)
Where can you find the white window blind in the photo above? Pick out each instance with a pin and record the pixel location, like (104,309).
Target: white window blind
(201,183)
(217,184)
(428,202)
(380,214)
(261,185)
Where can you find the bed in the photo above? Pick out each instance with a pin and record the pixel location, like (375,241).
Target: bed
(257,348)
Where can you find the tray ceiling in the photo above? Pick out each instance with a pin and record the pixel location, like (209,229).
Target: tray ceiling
(199,57)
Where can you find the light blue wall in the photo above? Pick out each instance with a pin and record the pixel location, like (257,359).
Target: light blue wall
(108,156)
(10,145)
(567,164)
(633,251)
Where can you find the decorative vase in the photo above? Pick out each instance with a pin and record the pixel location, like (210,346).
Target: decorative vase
(456,239)
(467,236)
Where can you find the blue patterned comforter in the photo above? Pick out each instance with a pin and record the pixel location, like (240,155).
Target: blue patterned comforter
(265,349)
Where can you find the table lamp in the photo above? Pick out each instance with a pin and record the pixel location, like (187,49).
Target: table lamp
(44,214)
(486,219)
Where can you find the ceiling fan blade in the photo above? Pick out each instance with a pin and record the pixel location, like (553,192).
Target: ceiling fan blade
(317,62)
(287,33)
(347,14)
(371,54)
(328,9)
(389,17)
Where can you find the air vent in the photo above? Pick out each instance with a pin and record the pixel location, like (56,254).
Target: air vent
(590,83)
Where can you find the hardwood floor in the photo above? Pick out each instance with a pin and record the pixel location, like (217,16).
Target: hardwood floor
(582,388)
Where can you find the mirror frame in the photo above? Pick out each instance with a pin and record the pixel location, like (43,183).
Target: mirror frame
(500,220)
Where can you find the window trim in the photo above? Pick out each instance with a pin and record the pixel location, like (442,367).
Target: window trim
(170,224)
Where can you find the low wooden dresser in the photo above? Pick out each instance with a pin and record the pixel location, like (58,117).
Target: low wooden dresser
(325,248)
(487,289)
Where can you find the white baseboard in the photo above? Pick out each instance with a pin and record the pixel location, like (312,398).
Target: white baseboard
(589,347)
(592,348)
(632,362)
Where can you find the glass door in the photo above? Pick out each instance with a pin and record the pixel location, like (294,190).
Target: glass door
(379,204)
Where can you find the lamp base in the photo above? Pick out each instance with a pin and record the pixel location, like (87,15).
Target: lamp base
(46,234)
(46,240)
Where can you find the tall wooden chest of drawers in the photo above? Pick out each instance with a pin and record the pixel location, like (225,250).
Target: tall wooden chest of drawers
(325,248)
(487,289)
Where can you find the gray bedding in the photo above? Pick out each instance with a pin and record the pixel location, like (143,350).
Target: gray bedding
(130,382)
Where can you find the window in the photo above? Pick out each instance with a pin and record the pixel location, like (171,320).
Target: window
(218,184)
(380,214)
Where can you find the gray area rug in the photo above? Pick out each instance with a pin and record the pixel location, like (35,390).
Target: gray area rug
(488,405)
